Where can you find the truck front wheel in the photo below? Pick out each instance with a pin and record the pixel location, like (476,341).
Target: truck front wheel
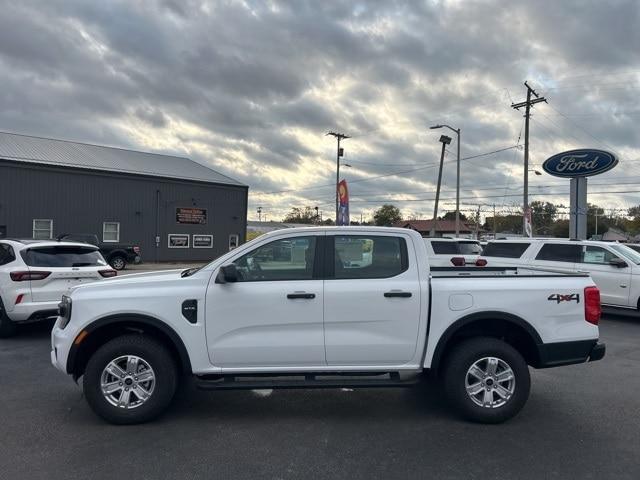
(130,379)
(486,379)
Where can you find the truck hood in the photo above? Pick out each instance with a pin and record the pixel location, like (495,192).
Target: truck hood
(134,279)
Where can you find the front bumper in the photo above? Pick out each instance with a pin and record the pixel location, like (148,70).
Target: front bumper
(568,353)
(61,341)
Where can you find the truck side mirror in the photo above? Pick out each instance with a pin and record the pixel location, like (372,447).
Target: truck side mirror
(227,274)
(618,262)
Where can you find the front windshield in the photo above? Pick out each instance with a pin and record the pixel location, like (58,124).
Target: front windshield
(627,252)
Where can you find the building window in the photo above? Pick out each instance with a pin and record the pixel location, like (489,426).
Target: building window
(42,229)
(233,241)
(111,232)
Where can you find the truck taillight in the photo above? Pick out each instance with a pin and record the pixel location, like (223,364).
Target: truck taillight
(108,273)
(24,276)
(457,261)
(592,308)
(137,250)
(481,262)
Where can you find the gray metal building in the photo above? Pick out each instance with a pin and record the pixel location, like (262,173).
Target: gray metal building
(175,209)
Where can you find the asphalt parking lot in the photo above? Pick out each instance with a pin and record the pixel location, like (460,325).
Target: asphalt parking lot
(581,421)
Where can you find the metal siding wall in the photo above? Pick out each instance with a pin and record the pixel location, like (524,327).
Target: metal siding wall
(79,202)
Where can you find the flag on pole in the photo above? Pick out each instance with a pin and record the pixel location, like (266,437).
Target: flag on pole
(343,209)
(527,222)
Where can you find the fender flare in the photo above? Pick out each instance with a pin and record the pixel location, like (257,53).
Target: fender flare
(136,318)
(479,316)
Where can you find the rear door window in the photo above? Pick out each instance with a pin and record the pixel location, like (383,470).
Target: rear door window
(560,252)
(63,256)
(505,250)
(445,248)
(364,256)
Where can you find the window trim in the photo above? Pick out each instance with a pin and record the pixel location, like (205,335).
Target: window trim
(104,240)
(330,252)
(33,229)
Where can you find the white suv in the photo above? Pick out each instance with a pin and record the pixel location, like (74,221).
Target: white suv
(614,267)
(458,252)
(34,274)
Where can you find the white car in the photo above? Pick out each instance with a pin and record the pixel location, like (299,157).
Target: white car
(447,252)
(34,274)
(613,266)
(323,308)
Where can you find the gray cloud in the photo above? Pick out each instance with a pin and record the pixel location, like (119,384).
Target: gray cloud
(259,84)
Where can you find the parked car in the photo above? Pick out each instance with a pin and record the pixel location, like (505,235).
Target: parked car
(459,252)
(613,266)
(34,274)
(117,254)
(251,320)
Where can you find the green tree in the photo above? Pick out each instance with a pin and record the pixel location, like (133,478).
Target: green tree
(386,215)
(300,215)
(452,216)
(560,229)
(543,214)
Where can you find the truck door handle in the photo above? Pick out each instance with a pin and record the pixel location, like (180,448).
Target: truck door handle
(307,296)
(397,294)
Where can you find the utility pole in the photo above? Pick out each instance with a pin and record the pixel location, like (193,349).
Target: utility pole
(527,113)
(445,141)
(494,221)
(339,153)
(457,131)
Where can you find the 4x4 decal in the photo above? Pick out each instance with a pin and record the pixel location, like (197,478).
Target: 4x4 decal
(559,297)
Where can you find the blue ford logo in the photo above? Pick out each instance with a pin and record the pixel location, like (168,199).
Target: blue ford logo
(584,162)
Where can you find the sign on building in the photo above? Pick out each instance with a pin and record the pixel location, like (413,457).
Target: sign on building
(193,216)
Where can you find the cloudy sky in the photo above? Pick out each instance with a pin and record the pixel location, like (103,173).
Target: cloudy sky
(252,87)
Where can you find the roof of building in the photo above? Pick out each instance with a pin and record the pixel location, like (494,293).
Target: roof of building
(441,225)
(28,149)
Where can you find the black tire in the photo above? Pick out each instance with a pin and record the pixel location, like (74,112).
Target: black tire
(7,327)
(118,262)
(456,378)
(156,355)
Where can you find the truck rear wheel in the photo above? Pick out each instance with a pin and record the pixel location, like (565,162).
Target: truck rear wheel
(118,262)
(130,379)
(7,327)
(487,380)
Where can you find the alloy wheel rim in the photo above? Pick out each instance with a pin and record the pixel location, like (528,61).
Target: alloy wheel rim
(127,382)
(118,263)
(490,382)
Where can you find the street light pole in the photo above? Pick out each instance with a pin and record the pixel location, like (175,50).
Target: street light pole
(445,141)
(457,131)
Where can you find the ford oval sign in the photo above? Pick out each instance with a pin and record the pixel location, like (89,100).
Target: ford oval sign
(584,162)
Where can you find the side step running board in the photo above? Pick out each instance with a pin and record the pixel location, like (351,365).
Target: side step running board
(313,380)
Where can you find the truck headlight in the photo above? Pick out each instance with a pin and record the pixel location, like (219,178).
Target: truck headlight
(64,311)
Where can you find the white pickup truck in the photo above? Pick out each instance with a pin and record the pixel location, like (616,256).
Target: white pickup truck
(324,308)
